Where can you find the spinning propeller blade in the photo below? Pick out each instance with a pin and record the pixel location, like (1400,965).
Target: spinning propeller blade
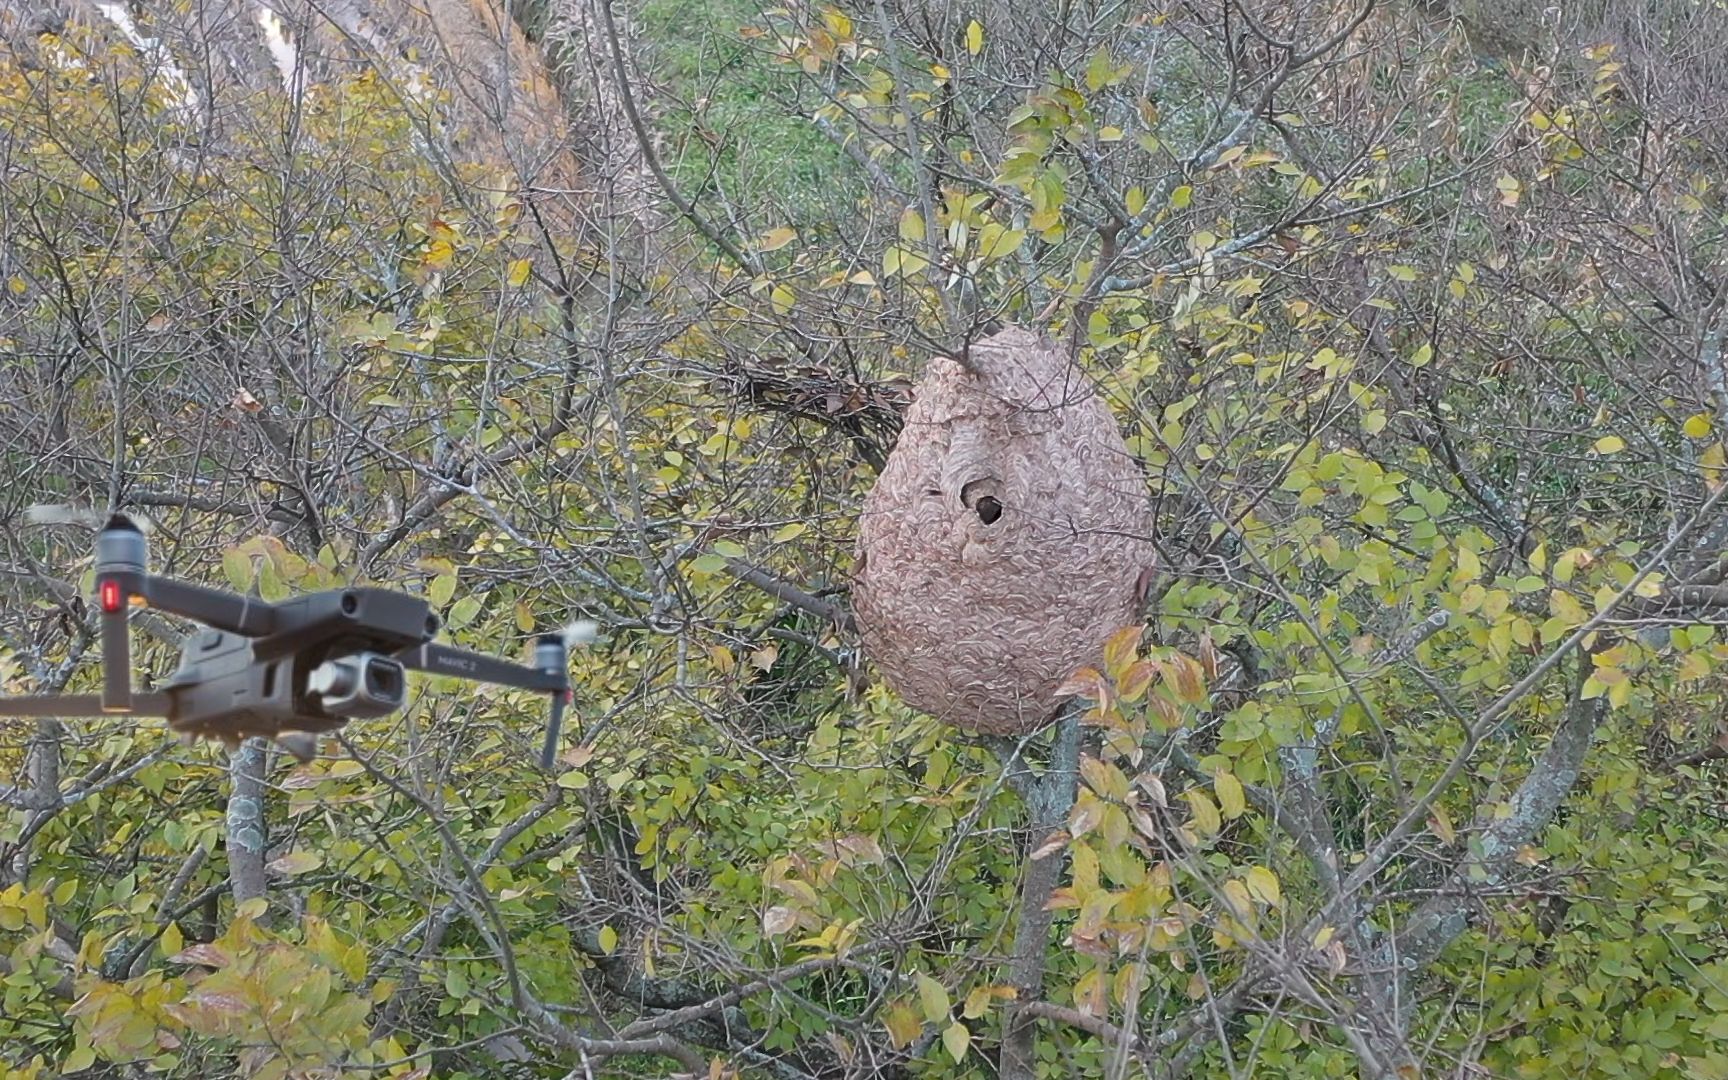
(552,655)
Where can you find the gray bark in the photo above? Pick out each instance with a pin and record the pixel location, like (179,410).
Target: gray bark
(1053,795)
(246,836)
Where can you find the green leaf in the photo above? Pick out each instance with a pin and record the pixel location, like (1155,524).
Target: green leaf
(1100,71)
(463,612)
(608,939)
(441,589)
(1182,196)
(708,564)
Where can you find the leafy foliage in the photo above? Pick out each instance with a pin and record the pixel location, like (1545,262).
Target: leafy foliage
(1416,763)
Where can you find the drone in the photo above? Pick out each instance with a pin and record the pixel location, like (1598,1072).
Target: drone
(286,671)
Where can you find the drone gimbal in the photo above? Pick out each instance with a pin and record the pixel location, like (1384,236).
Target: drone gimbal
(307,665)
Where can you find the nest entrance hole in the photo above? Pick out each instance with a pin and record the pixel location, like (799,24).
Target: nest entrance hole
(983,497)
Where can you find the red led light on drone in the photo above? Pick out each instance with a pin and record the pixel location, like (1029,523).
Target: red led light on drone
(110,595)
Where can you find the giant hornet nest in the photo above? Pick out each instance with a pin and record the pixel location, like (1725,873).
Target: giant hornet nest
(1007,537)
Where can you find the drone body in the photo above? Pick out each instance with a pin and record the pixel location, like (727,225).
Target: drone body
(306,665)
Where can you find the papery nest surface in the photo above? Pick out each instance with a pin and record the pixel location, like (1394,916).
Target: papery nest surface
(1008,536)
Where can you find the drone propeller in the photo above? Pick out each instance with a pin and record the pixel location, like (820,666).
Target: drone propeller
(552,655)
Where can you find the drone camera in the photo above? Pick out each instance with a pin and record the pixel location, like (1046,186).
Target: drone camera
(362,685)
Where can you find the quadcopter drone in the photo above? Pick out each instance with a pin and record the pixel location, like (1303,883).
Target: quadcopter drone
(286,671)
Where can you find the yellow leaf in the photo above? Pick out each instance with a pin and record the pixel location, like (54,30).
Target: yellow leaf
(995,242)
(934,997)
(1566,608)
(902,1023)
(781,299)
(1230,797)
(1711,463)
(295,862)
(1132,683)
(1119,649)
(608,940)
(956,1039)
(1469,565)
(438,255)
(1206,818)
(899,260)
(1698,426)
(791,531)
(1181,197)
(1442,825)
(1263,886)
(974,37)
(519,271)
(1236,898)
(912,226)
(1610,444)
(775,239)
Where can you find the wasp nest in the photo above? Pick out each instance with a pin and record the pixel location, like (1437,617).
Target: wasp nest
(1007,537)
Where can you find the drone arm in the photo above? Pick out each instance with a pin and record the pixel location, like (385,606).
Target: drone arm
(550,673)
(215,608)
(80,705)
(449,660)
(554,729)
(116,647)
